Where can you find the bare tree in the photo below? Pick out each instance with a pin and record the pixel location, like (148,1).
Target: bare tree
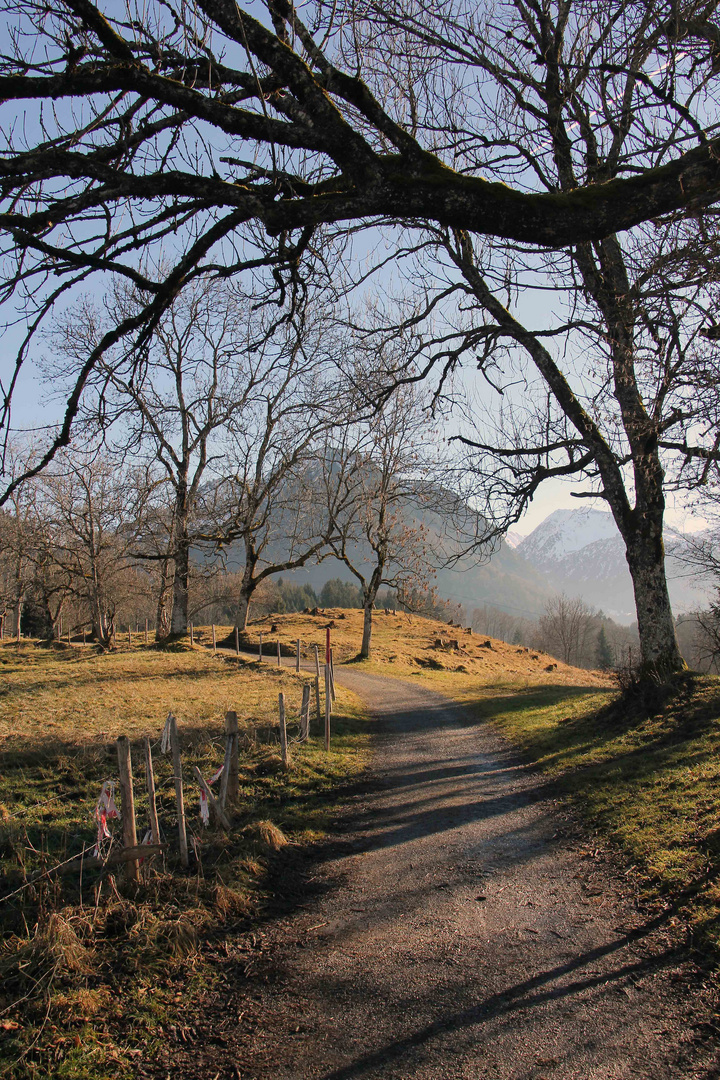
(566,628)
(270,503)
(89,509)
(18,541)
(200,377)
(383,536)
(239,141)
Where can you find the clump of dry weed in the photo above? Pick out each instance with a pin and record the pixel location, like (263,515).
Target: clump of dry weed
(267,835)
(229,901)
(56,949)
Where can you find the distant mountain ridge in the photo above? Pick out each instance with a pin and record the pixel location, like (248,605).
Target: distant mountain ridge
(580,552)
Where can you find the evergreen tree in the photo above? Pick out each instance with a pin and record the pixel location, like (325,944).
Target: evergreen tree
(339,593)
(603,652)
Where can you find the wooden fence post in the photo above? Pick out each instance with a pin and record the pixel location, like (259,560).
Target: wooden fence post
(146,631)
(237,641)
(297,655)
(128,802)
(229,785)
(317,684)
(177,772)
(260,649)
(327,708)
(332,677)
(278,653)
(305,713)
(84,635)
(150,782)
(283,730)
(129,635)
(214,641)
(192,637)
(215,805)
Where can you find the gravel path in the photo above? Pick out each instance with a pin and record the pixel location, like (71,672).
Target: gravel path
(468,934)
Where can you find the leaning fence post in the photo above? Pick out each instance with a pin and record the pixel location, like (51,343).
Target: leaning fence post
(237,641)
(177,773)
(128,802)
(327,708)
(283,729)
(317,683)
(150,782)
(297,655)
(305,712)
(229,785)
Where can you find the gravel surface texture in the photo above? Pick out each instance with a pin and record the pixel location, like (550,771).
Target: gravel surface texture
(465,931)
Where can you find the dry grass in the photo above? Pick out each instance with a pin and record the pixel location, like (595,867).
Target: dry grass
(267,835)
(79,696)
(405,644)
(86,958)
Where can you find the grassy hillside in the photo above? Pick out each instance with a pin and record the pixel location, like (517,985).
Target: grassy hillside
(404,644)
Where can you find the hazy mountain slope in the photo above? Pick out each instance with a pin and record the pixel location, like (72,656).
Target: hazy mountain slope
(580,552)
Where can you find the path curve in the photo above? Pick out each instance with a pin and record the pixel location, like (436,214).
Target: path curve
(469,933)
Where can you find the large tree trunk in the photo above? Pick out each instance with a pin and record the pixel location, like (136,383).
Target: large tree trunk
(242,612)
(659,649)
(247,588)
(367,629)
(181,584)
(181,559)
(162,614)
(370,592)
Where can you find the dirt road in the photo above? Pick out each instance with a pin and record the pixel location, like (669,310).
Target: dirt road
(467,934)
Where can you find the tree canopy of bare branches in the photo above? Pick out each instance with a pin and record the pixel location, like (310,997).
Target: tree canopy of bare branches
(228,135)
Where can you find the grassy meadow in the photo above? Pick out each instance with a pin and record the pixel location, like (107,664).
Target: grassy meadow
(92,968)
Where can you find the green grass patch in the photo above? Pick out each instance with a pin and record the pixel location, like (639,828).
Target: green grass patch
(93,970)
(648,784)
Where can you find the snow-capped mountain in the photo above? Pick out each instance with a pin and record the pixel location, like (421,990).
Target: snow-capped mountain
(582,554)
(564,532)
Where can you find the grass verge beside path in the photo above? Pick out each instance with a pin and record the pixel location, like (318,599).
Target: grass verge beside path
(95,972)
(650,785)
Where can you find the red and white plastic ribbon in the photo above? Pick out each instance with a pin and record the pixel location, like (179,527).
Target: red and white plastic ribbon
(204,807)
(104,811)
